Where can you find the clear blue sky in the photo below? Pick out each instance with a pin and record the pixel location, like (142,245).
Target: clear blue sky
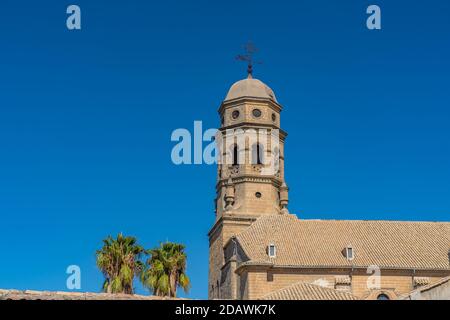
(86,119)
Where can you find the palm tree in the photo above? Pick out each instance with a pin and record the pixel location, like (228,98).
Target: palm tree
(166,270)
(119,261)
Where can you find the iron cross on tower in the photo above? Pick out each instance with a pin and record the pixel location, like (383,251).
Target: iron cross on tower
(250,51)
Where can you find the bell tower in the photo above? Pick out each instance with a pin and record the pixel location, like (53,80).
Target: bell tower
(250,178)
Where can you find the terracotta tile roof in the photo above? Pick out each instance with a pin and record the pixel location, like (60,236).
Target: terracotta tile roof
(415,294)
(308,291)
(421,281)
(62,295)
(343,280)
(319,243)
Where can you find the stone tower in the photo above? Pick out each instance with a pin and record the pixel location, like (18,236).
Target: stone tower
(250,180)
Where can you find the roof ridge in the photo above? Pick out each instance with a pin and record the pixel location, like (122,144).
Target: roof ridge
(426,287)
(373,220)
(26,294)
(309,286)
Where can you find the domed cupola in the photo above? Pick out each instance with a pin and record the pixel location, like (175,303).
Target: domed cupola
(251,88)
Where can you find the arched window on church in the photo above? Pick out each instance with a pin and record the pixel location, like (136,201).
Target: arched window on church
(257,154)
(235,155)
(383,297)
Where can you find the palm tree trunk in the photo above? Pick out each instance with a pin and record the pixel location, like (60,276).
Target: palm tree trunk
(173,284)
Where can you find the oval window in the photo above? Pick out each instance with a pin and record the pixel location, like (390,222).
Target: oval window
(256,113)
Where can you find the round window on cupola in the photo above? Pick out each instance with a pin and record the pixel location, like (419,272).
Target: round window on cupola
(256,113)
(274,117)
(235,114)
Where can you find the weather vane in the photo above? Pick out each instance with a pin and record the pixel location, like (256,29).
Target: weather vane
(250,51)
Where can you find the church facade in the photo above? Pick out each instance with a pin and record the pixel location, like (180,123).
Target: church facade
(258,250)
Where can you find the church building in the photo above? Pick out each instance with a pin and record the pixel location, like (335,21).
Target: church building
(259,250)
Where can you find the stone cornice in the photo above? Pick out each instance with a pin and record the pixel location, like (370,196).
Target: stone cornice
(275,181)
(233,102)
(255,125)
(231,218)
(256,265)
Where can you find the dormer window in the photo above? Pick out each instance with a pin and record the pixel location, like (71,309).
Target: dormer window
(271,250)
(349,252)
